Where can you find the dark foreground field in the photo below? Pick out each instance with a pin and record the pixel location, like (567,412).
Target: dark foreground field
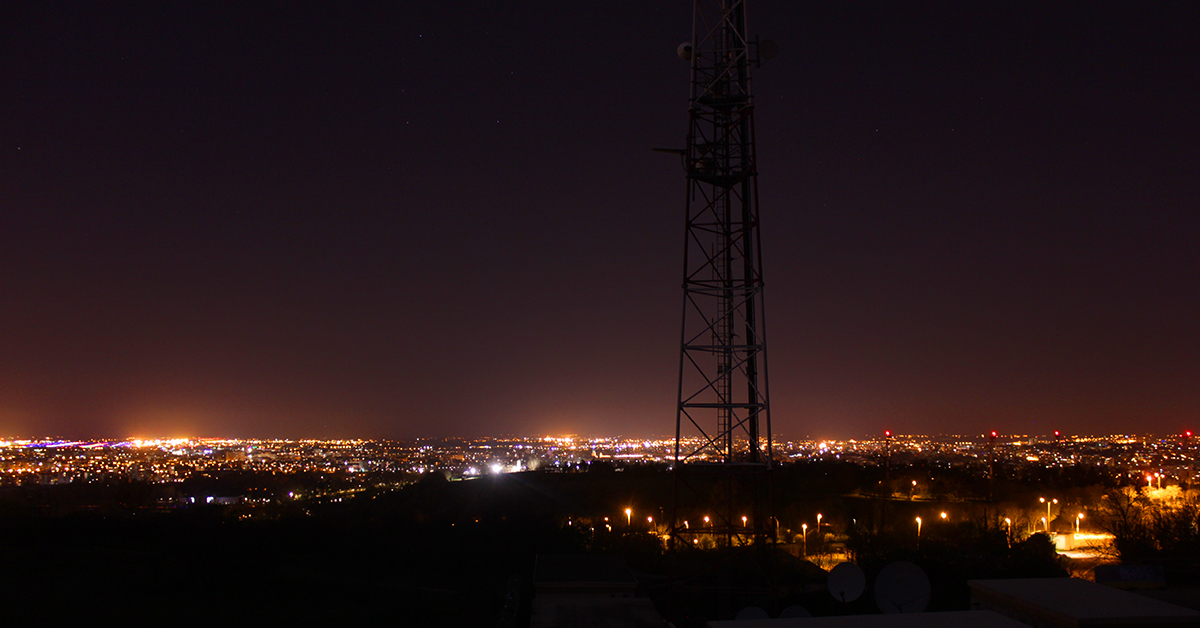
(430,553)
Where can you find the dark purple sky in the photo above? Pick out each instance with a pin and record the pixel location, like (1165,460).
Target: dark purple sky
(444,218)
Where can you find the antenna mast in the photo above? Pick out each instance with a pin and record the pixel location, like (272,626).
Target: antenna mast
(723,451)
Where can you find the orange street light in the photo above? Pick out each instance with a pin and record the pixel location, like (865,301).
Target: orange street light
(1078,518)
(1047,502)
(1009,522)
(818,522)
(628,516)
(943,516)
(1046,525)
(804,536)
(743,521)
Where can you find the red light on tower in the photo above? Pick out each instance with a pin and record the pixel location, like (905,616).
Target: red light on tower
(888,433)
(1188,433)
(1056,434)
(994,435)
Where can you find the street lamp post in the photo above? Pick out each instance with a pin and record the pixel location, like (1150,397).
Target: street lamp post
(1046,525)
(804,536)
(1047,502)
(628,517)
(918,533)
(1078,518)
(1009,522)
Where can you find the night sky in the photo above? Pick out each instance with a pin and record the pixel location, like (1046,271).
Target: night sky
(444,218)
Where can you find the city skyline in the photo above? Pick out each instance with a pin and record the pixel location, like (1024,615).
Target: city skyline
(384,222)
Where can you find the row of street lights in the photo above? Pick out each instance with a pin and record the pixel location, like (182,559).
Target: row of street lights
(1046,519)
(943,516)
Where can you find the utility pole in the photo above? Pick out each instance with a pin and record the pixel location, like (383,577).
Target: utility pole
(992,464)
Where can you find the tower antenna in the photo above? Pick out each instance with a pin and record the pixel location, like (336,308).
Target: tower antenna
(723,448)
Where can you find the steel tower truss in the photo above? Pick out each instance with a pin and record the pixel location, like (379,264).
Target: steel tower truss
(723,422)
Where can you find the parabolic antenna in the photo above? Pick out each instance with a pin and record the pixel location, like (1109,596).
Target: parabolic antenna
(846,582)
(902,587)
(684,51)
(768,49)
(752,612)
(795,611)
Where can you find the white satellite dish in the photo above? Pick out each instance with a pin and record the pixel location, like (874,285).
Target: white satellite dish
(752,612)
(684,51)
(794,611)
(846,582)
(902,587)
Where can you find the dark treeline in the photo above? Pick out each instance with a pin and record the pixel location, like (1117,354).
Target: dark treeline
(462,552)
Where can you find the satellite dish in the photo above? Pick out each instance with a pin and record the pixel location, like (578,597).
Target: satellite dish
(684,51)
(767,49)
(795,611)
(902,587)
(752,612)
(846,582)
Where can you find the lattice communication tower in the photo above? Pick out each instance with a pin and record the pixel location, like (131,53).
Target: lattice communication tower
(723,452)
